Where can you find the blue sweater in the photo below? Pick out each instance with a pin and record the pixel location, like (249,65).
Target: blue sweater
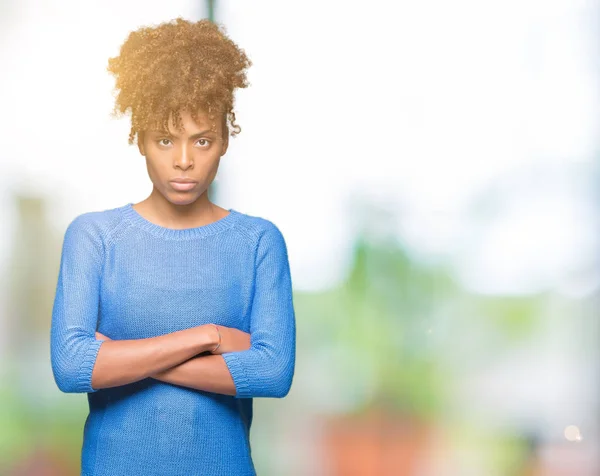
(129,278)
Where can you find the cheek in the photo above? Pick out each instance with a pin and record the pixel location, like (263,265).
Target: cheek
(157,169)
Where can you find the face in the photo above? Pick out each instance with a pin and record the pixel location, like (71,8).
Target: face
(192,154)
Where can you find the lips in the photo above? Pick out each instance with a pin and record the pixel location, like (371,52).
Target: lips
(184,180)
(183,185)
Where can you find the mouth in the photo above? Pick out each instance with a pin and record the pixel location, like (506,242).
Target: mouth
(183,185)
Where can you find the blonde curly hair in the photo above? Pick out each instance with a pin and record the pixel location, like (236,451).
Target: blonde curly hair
(178,65)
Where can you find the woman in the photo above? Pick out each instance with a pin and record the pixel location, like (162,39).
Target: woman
(173,313)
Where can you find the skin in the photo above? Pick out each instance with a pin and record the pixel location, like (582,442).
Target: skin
(194,152)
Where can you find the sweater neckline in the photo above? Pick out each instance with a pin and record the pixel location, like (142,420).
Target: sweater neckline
(179,233)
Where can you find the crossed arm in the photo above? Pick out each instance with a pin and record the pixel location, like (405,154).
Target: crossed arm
(202,372)
(262,366)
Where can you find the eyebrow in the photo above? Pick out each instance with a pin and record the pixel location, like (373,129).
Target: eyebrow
(194,136)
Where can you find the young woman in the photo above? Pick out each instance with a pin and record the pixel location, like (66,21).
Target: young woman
(173,313)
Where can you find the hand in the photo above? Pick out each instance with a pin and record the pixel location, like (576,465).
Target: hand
(232,340)
(100,336)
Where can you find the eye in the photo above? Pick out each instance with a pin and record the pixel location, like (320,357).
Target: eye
(160,141)
(204,143)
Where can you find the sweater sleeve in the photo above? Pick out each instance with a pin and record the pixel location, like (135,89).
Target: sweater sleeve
(73,344)
(267,368)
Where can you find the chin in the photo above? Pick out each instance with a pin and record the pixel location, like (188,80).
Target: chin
(182,198)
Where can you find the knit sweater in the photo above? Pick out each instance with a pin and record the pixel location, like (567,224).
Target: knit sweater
(130,278)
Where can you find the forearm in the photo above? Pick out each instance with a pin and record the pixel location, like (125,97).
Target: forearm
(120,362)
(266,369)
(207,372)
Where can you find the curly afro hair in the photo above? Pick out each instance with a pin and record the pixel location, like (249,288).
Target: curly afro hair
(178,65)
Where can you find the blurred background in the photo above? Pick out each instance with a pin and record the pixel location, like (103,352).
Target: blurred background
(434,168)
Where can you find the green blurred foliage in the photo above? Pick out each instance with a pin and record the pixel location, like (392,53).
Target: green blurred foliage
(393,322)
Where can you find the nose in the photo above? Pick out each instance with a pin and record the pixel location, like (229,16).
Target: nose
(183,159)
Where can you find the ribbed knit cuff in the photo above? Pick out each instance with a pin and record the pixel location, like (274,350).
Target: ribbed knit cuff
(238,374)
(84,380)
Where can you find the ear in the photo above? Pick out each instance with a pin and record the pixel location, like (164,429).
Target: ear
(140,143)
(225,132)
(225,144)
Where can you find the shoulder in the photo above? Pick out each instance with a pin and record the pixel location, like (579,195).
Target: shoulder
(257,227)
(261,232)
(97,226)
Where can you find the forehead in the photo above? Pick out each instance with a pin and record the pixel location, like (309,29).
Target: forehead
(189,125)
